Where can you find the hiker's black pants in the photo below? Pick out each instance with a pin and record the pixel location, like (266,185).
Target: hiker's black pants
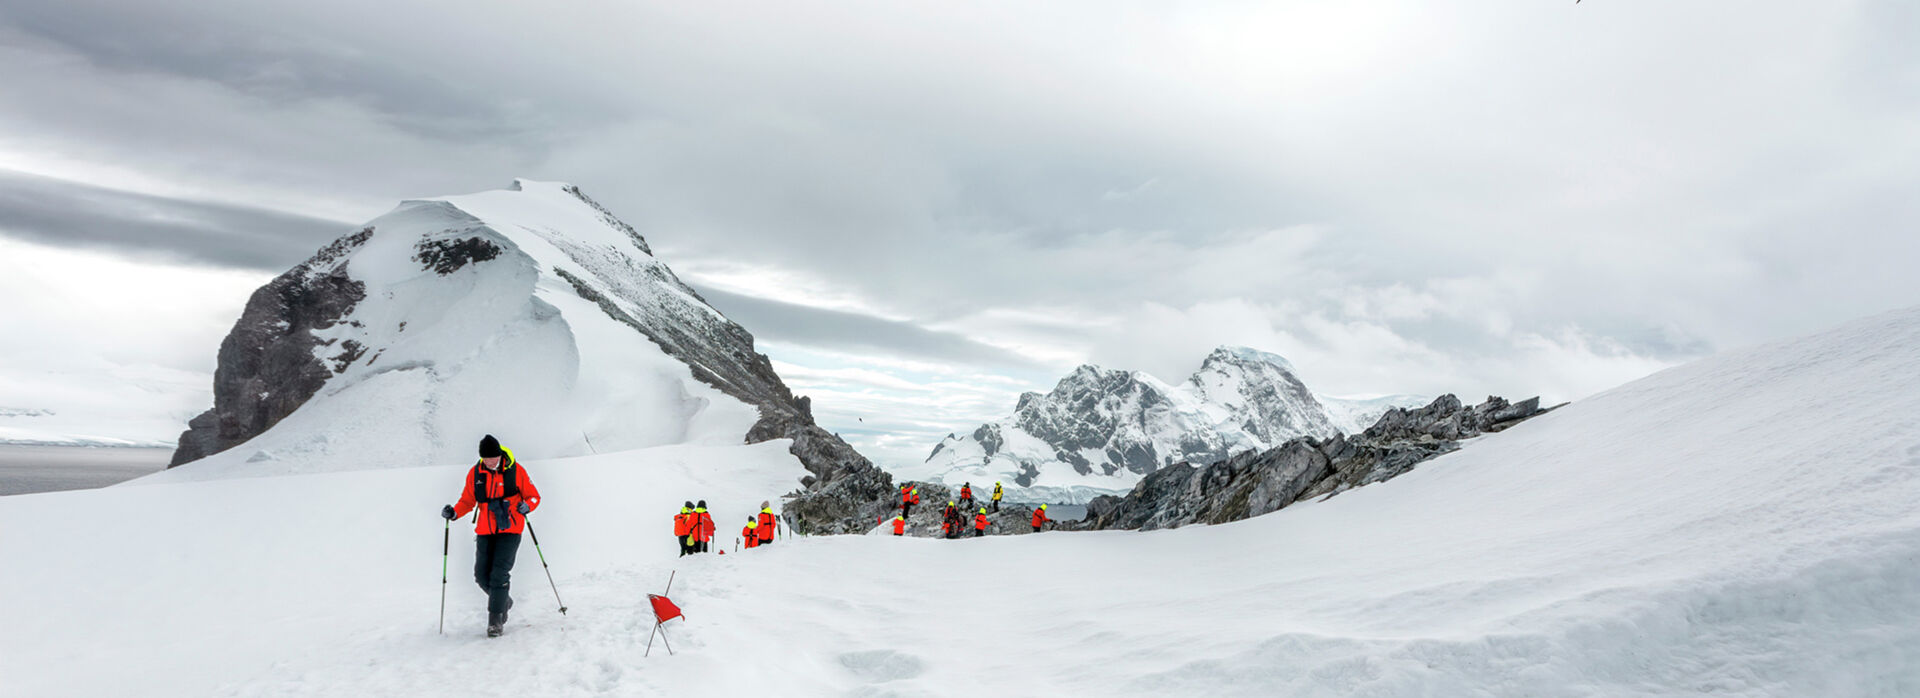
(492,563)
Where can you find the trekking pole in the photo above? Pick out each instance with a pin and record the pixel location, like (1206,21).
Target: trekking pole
(446,544)
(543,565)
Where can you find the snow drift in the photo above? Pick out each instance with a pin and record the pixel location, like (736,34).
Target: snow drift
(1747,525)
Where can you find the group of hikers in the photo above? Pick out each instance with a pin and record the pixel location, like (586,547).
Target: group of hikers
(500,495)
(693,527)
(952,521)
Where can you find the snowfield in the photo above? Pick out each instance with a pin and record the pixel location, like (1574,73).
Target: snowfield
(92,402)
(1746,525)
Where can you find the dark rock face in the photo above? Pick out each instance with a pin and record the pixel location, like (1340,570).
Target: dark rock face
(1251,484)
(990,438)
(267,365)
(1245,485)
(445,257)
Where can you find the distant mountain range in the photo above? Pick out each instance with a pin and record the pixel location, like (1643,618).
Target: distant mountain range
(1100,430)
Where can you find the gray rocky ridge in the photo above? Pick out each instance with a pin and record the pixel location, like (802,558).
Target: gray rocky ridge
(1255,483)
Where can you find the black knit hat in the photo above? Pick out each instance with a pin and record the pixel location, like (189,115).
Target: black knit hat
(490,447)
(703,504)
(689,505)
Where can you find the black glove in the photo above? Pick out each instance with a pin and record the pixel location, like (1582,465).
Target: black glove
(446,512)
(522,508)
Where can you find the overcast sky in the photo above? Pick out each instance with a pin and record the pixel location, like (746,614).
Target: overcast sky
(922,209)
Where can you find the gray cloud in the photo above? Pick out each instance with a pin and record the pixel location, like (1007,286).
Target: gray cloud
(1529,198)
(854,332)
(51,211)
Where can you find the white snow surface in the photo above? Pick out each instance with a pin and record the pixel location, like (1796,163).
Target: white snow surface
(504,346)
(92,402)
(1746,525)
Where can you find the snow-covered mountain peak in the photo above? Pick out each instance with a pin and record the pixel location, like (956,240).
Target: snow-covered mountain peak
(1247,356)
(1099,430)
(530,312)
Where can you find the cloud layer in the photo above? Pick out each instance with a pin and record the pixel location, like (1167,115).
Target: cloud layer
(922,209)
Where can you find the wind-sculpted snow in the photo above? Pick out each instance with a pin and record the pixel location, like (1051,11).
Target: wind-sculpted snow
(1747,525)
(1098,431)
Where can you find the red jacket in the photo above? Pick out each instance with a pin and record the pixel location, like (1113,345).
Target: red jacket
(980,521)
(1039,516)
(909,495)
(748,533)
(682,524)
(966,492)
(899,526)
(767,522)
(500,500)
(703,527)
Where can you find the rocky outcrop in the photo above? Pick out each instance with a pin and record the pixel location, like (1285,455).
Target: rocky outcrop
(844,489)
(1251,484)
(273,360)
(1405,438)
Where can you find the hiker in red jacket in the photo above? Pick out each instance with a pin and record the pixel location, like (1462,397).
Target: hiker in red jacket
(966,496)
(501,494)
(1040,517)
(703,528)
(980,523)
(899,525)
(683,529)
(909,496)
(750,533)
(767,524)
(951,523)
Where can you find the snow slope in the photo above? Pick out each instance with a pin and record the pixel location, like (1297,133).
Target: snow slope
(1746,525)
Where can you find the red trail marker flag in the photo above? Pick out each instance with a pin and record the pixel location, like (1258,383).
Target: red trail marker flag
(663,610)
